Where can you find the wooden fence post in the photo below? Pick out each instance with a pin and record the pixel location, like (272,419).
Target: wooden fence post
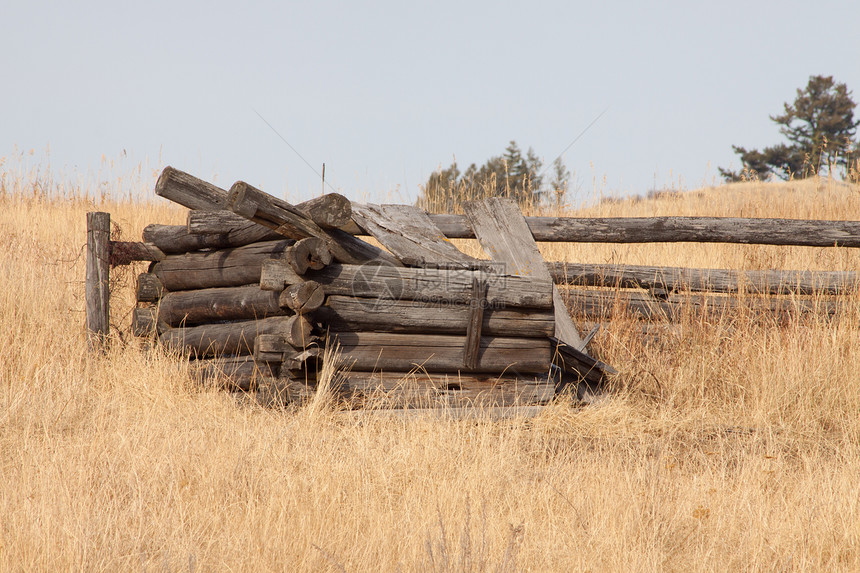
(98,279)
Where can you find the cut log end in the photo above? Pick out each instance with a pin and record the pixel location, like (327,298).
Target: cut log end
(303,297)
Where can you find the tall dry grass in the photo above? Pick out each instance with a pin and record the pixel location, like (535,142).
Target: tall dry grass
(730,443)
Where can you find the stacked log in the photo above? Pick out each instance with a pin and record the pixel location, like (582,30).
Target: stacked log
(253,290)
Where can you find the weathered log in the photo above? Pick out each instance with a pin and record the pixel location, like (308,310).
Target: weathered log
(441,353)
(329,211)
(276,273)
(709,280)
(406,316)
(798,232)
(231,373)
(404,283)
(602,305)
(230,267)
(277,348)
(149,288)
(277,214)
(419,389)
(303,297)
(229,338)
(192,307)
(144,322)
(308,253)
(173,239)
(98,279)
(189,191)
(126,252)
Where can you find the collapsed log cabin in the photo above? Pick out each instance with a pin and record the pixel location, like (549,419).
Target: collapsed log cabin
(254,290)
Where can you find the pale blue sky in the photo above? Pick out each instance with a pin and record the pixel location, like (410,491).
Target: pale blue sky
(385,92)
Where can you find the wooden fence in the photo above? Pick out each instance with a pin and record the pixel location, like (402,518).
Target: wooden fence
(253,289)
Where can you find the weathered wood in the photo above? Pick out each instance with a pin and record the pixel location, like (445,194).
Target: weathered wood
(149,288)
(603,305)
(440,353)
(505,236)
(406,283)
(306,360)
(405,316)
(474,323)
(451,413)
(279,215)
(231,373)
(228,338)
(798,232)
(329,211)
(707,280)
(276,273)
(277,348)
(144,322)
(303,297)
(173,239)
(193,307)
(189,191)
(126,252)
(231,230)
(98,279)
(308,253)
(574,361)
(409,234)
(419,389)
(230,267)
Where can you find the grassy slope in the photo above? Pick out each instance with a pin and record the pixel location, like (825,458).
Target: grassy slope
(729,444)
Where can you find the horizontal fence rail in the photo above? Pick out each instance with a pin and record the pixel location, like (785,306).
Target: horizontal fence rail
(789,232)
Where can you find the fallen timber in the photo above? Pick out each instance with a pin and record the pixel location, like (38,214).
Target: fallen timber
(422,389)
(677,279)
(440,353)
(251,280)
(424,284)
(793,232)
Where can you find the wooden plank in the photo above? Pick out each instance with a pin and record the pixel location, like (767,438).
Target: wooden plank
(418,389)
(797,232)
(440,353)
(429,285)
(229,267)
(98,279)
(409,234)
(192,307)
(475,323)
(505,236)
(404,316)
(707,280)
(284,218)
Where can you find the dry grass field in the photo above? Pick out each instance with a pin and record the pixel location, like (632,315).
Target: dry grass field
(730,444)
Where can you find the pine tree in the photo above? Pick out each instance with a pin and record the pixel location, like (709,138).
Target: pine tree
(820,127)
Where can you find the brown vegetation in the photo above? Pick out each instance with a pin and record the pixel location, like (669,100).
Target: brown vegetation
(728,443)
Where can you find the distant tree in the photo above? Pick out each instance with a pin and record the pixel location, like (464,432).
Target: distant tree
(820,128)
(560,181)
(509,175)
